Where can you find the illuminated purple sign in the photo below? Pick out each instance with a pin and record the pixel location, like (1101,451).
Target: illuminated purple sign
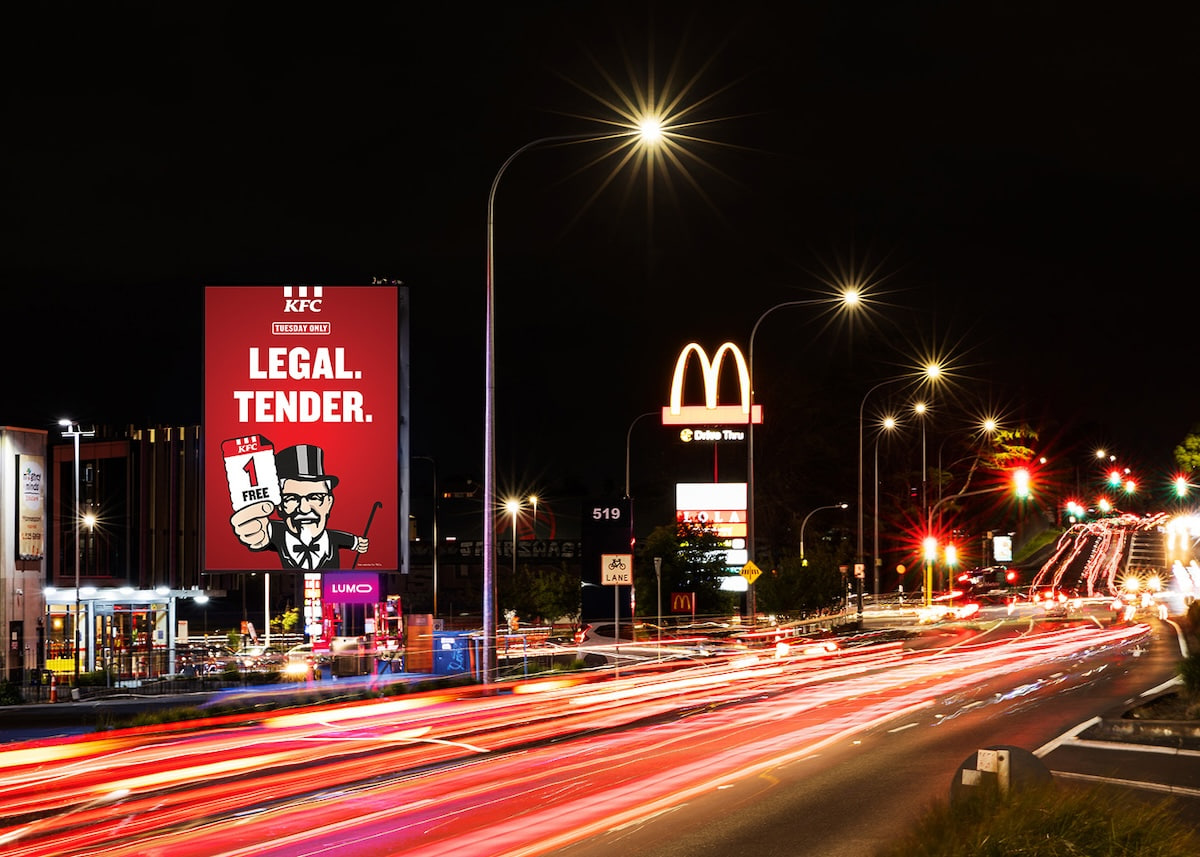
(350,587)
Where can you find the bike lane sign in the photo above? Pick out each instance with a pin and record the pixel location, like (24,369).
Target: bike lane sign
(616,569)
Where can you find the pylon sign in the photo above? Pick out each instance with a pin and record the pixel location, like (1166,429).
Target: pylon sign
(711,412)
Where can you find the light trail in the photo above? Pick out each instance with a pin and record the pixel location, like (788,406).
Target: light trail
(444,773)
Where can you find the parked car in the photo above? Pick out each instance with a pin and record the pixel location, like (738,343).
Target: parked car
(304,654)
(217,659)
(260,657)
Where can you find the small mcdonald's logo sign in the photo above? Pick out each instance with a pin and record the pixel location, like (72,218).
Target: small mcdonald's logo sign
(683,602)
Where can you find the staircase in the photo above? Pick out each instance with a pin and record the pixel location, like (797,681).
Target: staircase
(1147,552)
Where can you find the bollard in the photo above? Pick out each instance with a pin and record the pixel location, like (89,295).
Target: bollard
(53,687)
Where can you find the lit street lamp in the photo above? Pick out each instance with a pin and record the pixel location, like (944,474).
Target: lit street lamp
(514,506)
(1020,486)
(887,425)
(648,132)
(920,408)
(71,429)
(931,372)
(849,298)
(804,524)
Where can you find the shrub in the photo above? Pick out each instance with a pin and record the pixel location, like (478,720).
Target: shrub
(95,678)
(1189,673)
(1050,821)
(10,693)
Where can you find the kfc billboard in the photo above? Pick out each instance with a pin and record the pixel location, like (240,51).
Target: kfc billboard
(301,428)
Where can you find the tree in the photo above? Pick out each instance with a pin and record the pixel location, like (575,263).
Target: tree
(287,621)
(693,560)
(793,588)
(544,593)
(1187,454)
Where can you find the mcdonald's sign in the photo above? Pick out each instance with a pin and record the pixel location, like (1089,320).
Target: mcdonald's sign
(711,412)
(683,602)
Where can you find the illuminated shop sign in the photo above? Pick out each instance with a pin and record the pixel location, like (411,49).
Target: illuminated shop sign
(350,587)
(711,412)
(721,505)
(301,426)
(688,435)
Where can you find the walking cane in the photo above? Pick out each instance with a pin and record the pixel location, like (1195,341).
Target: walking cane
(378,504)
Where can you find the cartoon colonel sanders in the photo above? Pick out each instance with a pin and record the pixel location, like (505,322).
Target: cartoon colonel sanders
(301,535)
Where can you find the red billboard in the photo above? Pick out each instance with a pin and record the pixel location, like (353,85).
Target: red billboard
(301,428)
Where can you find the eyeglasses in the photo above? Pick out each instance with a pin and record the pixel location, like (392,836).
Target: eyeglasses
(291,501)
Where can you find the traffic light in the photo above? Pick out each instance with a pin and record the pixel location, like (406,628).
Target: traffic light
(931,546)
(1181,486)
(1114,478)
(1021,482)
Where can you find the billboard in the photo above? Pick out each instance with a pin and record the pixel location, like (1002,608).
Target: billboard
(31,507)
(301,428)
(722,505)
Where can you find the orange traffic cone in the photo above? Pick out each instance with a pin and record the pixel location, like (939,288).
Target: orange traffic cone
(53,687)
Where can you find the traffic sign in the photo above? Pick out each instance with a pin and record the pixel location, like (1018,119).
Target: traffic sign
(860,570)
(616,569)
(750,571)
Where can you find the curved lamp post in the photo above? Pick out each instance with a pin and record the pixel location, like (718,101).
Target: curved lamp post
(804,524)
(887,425)
(931,373)
(1019,486)
(920,409)
(849,298)
(628,438)
(649,132)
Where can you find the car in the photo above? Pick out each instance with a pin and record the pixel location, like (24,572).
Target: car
(304,654)
(1053,602)
(260,657)
(604,634)
(217,659)
(1003,603)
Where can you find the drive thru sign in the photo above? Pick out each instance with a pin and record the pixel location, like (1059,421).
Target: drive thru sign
(750,571)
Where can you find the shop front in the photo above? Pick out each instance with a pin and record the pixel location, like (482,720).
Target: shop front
(128,634)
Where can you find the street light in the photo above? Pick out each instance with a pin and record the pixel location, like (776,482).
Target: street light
(533,525)
(71,429)
(628,438)
(849,298)
(649,132)
(804,524)
(1020,485)
(514,506)
(658,586)
(887,425)
(931,372)
(919,409)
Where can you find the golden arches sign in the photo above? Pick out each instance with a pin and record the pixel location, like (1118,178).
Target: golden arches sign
(711,412)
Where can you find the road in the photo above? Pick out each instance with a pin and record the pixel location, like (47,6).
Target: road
(721,756)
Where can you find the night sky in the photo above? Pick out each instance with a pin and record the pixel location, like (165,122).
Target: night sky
(1012,185)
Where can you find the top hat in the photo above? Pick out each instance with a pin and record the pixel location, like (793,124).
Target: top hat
(305,462)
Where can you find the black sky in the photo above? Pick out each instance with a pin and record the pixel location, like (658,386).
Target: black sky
(1018,180)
